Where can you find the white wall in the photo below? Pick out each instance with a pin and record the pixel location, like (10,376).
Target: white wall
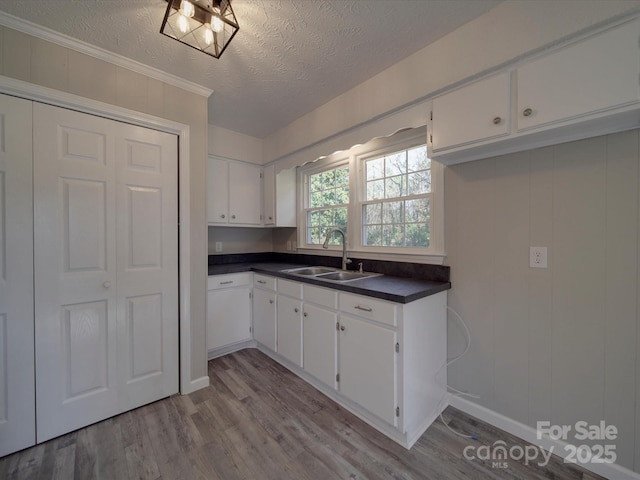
(234,146)
(561,344)
(43,63)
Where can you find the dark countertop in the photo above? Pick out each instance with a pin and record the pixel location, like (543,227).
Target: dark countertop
(386,287)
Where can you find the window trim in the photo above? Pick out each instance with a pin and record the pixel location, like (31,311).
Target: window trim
(356,158)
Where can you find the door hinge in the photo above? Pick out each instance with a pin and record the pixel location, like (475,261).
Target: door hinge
(431,116)
(430,138)
(261,175)
(397,411)
(250,295)
(250,329)
(337,325)
(337,377)
(397,347)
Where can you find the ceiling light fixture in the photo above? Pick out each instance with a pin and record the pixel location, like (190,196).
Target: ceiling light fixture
(206,25)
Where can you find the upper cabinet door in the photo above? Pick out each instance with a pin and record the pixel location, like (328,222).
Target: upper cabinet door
(245,193)
(475,112)
(217,190)
(595,75)
(269,183)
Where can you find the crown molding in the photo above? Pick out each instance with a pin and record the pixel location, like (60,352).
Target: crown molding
(66,41)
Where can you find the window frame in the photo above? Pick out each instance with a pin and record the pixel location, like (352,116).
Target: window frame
(356,158)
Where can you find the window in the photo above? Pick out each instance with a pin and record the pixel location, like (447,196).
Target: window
(396,211)
(386,195)
(328,200)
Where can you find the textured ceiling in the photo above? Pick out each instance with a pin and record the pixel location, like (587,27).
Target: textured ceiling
(289,57)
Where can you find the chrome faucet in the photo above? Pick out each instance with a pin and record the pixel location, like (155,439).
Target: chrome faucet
(345,260)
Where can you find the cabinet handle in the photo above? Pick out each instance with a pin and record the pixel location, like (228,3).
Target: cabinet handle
(223,216)
(527,112)
(295,309)
(226,282)
(270,300)
(270,218)
(365,309)
(106,284)
(233,216)
(497,120)
(262,281)
(342,328)
(305,314)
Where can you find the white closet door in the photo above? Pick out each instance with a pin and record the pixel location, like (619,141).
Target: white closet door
(100,211)
(147,264)
(17,396)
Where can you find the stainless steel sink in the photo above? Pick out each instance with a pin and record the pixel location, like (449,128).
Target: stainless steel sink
(343,276)
(310,270)
(330,274)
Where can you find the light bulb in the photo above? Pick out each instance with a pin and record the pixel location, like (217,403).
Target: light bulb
(208,34)
(183,23)
(216,24)
(187,9)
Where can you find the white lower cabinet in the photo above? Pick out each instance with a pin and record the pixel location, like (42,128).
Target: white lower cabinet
(228,310)
(319,334)
(264,311)
(289,321)
(367,366)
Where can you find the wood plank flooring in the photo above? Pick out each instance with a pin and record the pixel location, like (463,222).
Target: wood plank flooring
(257,420)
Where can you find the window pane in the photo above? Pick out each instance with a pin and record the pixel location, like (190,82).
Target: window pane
(396,164)
(342,177)
(393,235)
(417,235)
(417,159)
(372,235)
(419,182)
(375,190)
(341,196)
(392,212)
(375,168)
(417,210)
(395,186)
(340,218)
(372,213)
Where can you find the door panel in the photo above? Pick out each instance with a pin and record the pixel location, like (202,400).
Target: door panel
(17,395)
(106,268)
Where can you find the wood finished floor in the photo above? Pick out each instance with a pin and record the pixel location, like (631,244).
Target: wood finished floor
(257,420)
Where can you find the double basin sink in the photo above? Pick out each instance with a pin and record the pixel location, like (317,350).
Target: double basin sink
(330,274)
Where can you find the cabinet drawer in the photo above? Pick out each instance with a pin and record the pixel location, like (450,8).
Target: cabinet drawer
(215,282)
(287,287)
(264,281)
(321,296)
(367,307)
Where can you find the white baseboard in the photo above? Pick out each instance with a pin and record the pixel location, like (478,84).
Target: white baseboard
(529,434)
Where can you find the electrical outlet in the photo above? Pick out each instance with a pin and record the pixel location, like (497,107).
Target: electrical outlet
(218,246)
(538,257)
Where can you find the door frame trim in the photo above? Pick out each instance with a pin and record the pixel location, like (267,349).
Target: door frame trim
(37,93)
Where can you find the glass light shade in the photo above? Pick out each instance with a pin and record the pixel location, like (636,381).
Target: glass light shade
(209,29)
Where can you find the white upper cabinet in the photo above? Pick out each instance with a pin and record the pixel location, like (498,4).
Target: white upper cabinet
(234,193)
(598,74)
(478,111)
(279,197)
(217,191)
(587,88)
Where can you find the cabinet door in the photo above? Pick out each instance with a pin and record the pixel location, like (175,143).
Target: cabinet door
(217,190)
(228,316)
(245,193)
(594,75)
(289,329)
(319,334)
(367,366)
(264,317)
(17,393)
(478,111)
(269,183)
